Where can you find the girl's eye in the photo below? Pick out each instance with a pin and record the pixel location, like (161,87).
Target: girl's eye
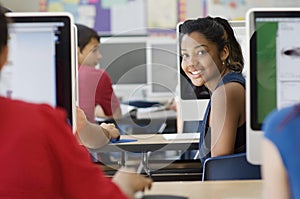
(95,50)
(201,52)
(184,55)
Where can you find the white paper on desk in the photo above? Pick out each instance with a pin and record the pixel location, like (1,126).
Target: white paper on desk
(144,112)
(127,109)
(181,136)
(164,114)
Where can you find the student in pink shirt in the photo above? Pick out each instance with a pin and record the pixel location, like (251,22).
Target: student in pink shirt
(96,95)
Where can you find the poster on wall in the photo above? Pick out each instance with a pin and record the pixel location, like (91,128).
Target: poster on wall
(158,19)
(105,16)
(125,17)
(84,12)
(229,9)
(236,9)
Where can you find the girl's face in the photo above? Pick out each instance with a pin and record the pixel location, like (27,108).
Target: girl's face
(90,55)
(200,59)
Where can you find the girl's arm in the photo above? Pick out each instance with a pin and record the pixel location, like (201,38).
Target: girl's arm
(227,114)
(276,183)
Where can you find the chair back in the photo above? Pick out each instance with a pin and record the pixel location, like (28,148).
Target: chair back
(230,167)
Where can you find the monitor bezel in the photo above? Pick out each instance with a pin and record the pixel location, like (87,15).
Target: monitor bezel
(253,14)
(254,131)
(68,100)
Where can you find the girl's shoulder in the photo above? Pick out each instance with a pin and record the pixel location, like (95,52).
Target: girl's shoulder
(234,77)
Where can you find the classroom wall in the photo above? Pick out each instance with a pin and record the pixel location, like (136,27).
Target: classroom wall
(22,5)
(236,9)
(194,8)
(114,17)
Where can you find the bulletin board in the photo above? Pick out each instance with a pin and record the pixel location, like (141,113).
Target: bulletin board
(124,17)
(236,9)
(229,9)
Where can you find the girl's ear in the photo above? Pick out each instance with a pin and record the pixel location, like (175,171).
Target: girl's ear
(79,56)
(3,56)
(78,51)
(224,53)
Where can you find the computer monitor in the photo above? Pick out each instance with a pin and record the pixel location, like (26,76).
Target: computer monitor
(41,62)
(193,100)
(273,76)
(239,29)
(125,60)
(162,68)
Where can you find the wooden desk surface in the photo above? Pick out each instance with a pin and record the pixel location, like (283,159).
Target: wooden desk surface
(249,189)
(149,142)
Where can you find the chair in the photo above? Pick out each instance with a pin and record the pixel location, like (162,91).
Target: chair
(190,127)
(230,167)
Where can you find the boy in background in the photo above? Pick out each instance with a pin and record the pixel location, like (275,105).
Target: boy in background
(96,95)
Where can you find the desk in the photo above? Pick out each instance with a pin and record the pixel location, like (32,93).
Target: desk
(132,125)
(147,143)
(249,189)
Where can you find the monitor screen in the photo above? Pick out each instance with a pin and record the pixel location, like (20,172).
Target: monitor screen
(124,58)
(273,76)
(40,67)
(162,68)
(239,28)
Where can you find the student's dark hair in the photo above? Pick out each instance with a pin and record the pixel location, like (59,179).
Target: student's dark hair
(84,35)
(4,9)
(218,31)
(3,29)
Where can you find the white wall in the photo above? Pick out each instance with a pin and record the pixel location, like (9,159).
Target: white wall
(21,5)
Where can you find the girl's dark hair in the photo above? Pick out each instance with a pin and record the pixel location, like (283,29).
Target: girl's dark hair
(84,35)
(3,29)
(218,31)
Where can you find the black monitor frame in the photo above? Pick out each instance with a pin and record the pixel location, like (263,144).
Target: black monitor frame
(65,56)
(255,122)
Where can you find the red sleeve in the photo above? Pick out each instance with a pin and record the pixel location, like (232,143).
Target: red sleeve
(79,177)
(105,95)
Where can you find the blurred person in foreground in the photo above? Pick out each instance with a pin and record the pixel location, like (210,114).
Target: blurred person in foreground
(281,154)
(42,158)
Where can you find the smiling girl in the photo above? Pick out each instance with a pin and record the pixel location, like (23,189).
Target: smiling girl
(211,56)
